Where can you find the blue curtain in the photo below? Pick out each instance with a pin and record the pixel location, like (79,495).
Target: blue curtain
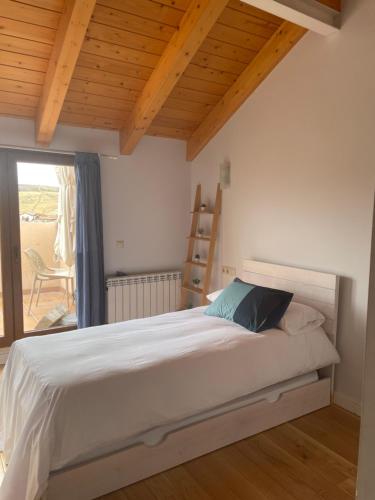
(89,242)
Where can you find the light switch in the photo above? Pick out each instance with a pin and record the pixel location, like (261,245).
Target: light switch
(120,244)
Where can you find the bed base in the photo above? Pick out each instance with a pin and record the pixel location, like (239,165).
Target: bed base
(117,470)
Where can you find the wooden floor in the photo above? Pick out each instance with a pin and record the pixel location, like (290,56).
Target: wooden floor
(312,458)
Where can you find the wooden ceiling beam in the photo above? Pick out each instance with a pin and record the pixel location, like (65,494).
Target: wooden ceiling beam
(313,15)
(69,38)
(195,25)
(286,36)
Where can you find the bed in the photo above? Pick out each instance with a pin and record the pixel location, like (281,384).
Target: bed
(84,413)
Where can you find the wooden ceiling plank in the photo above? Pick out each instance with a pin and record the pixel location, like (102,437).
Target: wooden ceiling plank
(172,123)
(119,53)
(187,118)
(25,47)
(203,66)
(23,61)
(245,22)
(98,111)
(195,25)
(9,109)
(30,14)
(55,5)
(21,99)
(179,114)
(176,4)
(226,51)
(194,96)
(121,69)
(21,75)
(146,9)
(209,74)
(168,132)
(237,37)
(273,52)
(310,14)
(174,103)
(99,89)
(213,80)
(182,94)
(69,38)
(214,88)
(97,33)
(106,78)
(125,38)
(94,100)
(27,31)
(219,63)
(135,24)
(26,88)
(98,63)
(89,121)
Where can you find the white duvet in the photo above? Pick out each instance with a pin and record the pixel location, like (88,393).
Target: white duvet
(71,396)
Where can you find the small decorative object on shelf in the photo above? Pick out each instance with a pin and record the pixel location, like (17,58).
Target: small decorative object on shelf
(196,281)
(203,207)
(197,257)
(200,232)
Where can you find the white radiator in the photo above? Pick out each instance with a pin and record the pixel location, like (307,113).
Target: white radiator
(142,295)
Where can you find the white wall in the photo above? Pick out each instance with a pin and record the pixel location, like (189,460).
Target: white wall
(302,151)
(146,196)
(146,203)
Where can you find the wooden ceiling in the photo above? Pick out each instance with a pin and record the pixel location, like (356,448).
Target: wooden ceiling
(169,68)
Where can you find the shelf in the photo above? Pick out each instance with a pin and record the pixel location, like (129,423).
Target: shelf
(194,263)
(205,212)
(192,288)
(203,238)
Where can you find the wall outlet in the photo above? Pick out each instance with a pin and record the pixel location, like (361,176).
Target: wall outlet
(228,270)
(120,244)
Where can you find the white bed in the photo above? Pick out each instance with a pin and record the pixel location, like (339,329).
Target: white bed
(70,400)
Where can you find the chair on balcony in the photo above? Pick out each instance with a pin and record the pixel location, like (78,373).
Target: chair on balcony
(42,273)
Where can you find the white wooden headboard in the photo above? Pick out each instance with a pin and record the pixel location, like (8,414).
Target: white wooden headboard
(318,290)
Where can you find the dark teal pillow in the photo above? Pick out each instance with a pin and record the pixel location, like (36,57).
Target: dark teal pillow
(256,308)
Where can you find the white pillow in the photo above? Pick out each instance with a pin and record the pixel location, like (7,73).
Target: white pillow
(300,318)
(214,295)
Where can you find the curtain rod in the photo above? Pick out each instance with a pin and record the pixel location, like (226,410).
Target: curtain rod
(56,151)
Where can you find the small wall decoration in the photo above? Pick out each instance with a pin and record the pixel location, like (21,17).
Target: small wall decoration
(197,257)
(225,174)
(203,207)
(196,281)
(200,232)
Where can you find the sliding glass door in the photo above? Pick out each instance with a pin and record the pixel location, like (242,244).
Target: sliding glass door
(38,201)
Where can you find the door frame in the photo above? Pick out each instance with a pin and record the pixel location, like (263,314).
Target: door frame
(6,255)
(11,258)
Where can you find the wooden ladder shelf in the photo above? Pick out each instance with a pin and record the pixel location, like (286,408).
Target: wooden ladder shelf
(206,267)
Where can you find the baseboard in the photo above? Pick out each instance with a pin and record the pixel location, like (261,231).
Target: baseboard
(4,355)
(347,403)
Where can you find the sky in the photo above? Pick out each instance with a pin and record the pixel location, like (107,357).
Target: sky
(37,174)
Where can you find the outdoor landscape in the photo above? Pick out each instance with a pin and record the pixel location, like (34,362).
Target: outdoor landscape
(40,201)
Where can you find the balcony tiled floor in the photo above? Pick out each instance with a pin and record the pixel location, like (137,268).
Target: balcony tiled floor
(48,300)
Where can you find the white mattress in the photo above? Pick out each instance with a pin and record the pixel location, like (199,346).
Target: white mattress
(68,396)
